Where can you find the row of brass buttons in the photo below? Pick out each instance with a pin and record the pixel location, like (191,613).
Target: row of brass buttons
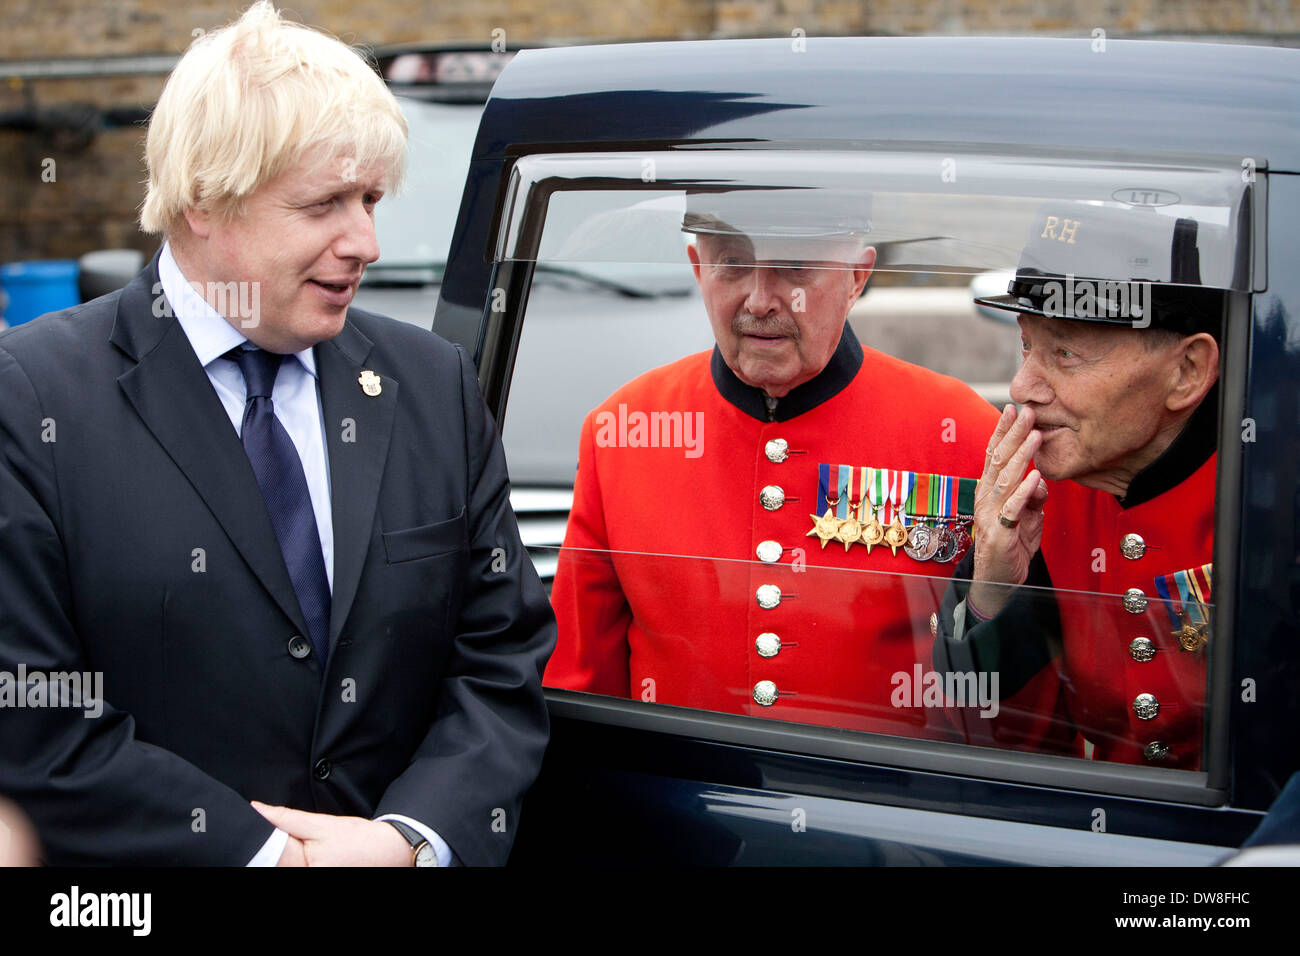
(768,644)
(1142,649)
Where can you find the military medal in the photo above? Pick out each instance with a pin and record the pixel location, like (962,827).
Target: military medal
(946,508)
(964,540)
(850,529)
(888,489)
(918,535)
(1194,589)
(947,549)
(964,511)
(826,527)
(1189,612)
(1190,637)
(925,515)
(873,532)
(895,535)
(919,539)
(931,547)
(900,488)
(925,502)
(873,493)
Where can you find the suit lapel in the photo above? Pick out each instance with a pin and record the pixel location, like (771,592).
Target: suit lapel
(357,432)
(176,401)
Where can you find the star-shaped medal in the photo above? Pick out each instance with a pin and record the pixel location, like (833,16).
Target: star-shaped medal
(896,536)
(872,534)
(850,531)
(825,528)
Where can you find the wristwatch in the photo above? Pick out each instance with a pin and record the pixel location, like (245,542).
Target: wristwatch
(421,851)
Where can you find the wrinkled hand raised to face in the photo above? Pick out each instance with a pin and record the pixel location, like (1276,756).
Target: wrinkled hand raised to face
(1008,511)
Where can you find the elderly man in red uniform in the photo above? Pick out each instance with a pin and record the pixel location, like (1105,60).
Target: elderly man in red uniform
(786,563)
(1119,417)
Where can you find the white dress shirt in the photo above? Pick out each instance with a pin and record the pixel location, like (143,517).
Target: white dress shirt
(297,403)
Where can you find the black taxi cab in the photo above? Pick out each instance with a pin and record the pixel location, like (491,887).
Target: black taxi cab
(939,155)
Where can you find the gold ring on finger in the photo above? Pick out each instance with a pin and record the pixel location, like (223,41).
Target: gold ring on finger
(1007,522)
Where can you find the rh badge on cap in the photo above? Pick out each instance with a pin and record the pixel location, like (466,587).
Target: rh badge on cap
(370,383)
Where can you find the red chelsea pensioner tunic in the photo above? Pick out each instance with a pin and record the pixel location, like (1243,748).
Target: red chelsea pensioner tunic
(1131,687)
(657,588)
(1128,684)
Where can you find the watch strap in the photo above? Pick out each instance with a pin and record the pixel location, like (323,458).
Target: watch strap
(412,836)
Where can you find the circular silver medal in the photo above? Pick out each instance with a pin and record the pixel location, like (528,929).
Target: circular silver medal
(918,536)
(922,542)
(947,545)
(932,548)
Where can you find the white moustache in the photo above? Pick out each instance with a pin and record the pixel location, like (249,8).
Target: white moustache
(752,325)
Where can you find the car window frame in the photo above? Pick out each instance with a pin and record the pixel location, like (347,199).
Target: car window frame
(496,349)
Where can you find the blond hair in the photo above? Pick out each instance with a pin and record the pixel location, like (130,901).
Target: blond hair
(246,102)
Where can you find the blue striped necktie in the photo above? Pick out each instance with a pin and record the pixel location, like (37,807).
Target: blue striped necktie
(283,482)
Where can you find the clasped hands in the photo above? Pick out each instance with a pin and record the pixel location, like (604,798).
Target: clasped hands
(1008,512)
(323,839)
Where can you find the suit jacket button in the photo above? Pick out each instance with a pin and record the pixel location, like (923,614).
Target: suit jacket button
(299,647)
(322,769)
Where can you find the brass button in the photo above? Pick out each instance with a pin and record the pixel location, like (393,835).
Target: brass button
(769,552)
(777,450)
(1146,706)
(1135,601)
(767,644)
(769,596)
(1132,546)
(765,693)
(1156,751)
(772,497)
(1141,649)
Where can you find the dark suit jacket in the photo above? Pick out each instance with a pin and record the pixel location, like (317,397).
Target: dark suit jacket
(135,543)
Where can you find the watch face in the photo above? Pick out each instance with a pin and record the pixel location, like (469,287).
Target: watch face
(425,856)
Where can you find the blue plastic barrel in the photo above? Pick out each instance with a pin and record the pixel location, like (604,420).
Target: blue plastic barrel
(34,288)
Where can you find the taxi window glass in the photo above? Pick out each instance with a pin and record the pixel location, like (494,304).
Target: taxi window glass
(753,375)
(855,650)
(926,212)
